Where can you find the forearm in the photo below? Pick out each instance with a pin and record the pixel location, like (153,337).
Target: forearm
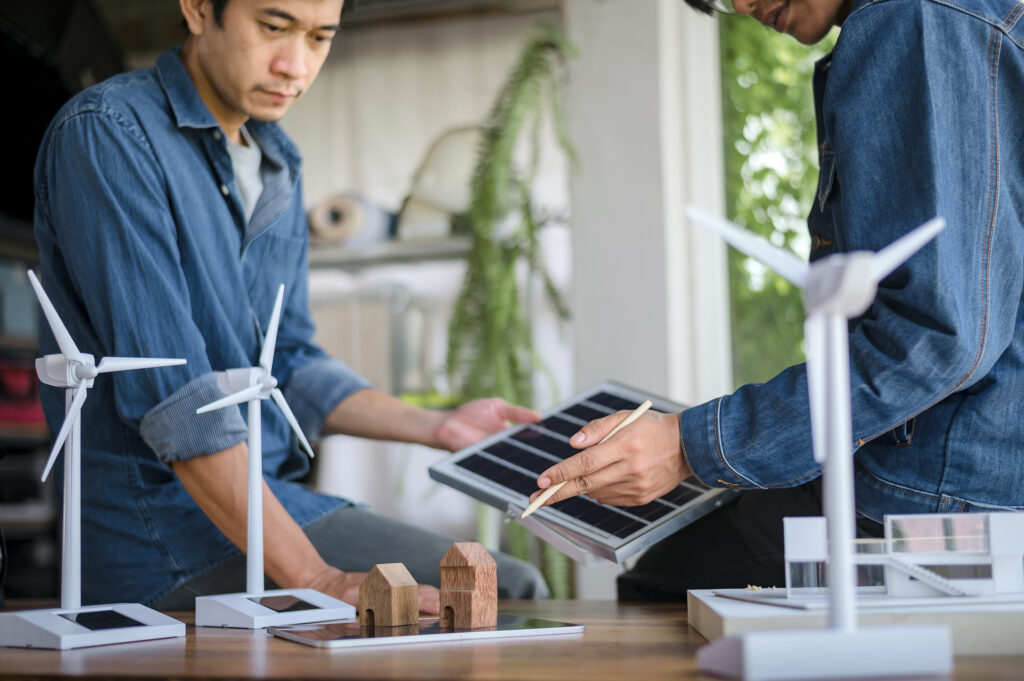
(218,484)
(372,414)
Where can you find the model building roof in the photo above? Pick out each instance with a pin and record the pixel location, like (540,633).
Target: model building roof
(466,554)
(392,574)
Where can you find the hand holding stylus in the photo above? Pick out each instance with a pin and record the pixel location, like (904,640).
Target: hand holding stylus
(551,491)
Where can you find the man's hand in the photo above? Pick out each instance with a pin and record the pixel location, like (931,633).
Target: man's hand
(637,465)
(345,586)
(477,420)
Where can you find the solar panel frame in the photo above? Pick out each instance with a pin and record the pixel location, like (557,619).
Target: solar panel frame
(502,471)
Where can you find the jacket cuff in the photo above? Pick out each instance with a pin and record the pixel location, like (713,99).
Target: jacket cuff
(702,447)
(316,388)
(175,432)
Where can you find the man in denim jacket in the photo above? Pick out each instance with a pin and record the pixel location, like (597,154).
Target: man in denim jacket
(168,211)
(919,112)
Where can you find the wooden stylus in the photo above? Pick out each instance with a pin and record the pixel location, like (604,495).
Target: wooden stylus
(550,491)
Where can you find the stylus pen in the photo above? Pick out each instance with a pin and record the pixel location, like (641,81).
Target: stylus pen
(550,491)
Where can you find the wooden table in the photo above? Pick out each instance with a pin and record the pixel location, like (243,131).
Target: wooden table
(622,642)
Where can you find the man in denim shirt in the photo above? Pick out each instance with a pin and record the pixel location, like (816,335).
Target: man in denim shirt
(919,112)
(168,211)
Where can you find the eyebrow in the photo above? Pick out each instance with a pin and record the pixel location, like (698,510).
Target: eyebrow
(281,14)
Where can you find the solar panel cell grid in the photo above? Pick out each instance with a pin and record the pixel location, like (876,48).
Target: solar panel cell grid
(522,458)
(545,443)
(613,402)
(584,413)
(680,495)
(560,426)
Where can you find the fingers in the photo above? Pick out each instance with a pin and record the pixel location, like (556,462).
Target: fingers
(517,414)
(597,430)
(587,473)
(430,600)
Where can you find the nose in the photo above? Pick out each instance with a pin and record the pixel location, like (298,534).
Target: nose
(744,6)
(290,60)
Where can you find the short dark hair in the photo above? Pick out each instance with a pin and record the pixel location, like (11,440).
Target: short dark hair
(699,5)
(218,11)
(219,5)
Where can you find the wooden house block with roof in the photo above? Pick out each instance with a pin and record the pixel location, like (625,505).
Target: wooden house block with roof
(469,588)
(388,597)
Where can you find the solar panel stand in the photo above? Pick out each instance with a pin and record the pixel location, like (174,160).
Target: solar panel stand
(554,536)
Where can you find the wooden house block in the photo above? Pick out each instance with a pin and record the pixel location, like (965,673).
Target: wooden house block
(388,597)
(469,588)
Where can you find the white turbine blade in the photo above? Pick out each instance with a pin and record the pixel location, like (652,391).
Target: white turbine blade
(250,393)
(898,252)
(781,261)
(69,420)
(108,364)
(270,338)
(60,332)
(817,388)
(278,398)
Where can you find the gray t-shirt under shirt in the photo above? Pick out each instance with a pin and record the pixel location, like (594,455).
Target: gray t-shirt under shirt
(246,159)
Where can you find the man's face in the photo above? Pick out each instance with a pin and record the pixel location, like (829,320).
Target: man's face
(266,54)
(806,20)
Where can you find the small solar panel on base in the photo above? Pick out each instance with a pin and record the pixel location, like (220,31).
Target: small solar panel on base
(502,471)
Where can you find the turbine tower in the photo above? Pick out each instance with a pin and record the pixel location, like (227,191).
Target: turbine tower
(94,625)
(256,608)
(836,289)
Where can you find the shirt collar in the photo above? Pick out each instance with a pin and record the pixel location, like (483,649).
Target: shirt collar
(191,112)
(188,107)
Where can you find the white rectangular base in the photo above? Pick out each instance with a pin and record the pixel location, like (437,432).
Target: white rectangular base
(830,654)
(94,625)
(270,609)
(978,628)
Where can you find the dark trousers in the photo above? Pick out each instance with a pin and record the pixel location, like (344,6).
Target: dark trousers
(737,545)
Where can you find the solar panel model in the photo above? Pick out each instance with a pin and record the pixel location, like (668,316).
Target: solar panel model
(502,471)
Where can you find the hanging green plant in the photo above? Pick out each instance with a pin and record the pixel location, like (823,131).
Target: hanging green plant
(490,346)
(490,349)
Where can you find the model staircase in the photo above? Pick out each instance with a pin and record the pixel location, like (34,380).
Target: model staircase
(926,576)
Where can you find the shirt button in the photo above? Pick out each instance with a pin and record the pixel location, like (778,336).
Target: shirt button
(217,135)
(224,190)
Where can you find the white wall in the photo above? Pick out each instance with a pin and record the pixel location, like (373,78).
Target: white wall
(649,294)
(387,92)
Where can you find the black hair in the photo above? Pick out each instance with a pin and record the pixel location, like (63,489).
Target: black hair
(218,11)
(219,5)
(699,5)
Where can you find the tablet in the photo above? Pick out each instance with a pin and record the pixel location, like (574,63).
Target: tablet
(349,633)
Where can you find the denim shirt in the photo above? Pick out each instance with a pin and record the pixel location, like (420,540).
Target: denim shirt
(919,114)
(145,251)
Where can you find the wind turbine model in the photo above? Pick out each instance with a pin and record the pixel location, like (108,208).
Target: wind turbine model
(71,625)
(836,288)
(257,608)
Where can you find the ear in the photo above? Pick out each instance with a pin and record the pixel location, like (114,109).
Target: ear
(196,14)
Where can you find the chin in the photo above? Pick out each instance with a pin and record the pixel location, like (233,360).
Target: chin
(264,116)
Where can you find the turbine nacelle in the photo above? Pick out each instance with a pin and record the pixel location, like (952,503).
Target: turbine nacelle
(257,383)
(61,372)
(842,284)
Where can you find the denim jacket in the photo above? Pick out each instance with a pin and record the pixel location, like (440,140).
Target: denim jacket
(145,251)
(920,112)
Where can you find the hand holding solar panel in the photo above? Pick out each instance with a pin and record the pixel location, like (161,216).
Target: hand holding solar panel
(503,470)
(631,468)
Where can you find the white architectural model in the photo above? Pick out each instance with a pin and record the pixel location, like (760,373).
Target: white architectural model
(922,556)
(71,625)
(836,288)
(257,608)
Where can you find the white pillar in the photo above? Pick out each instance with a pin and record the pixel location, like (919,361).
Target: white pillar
(650,299)
(649,293)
